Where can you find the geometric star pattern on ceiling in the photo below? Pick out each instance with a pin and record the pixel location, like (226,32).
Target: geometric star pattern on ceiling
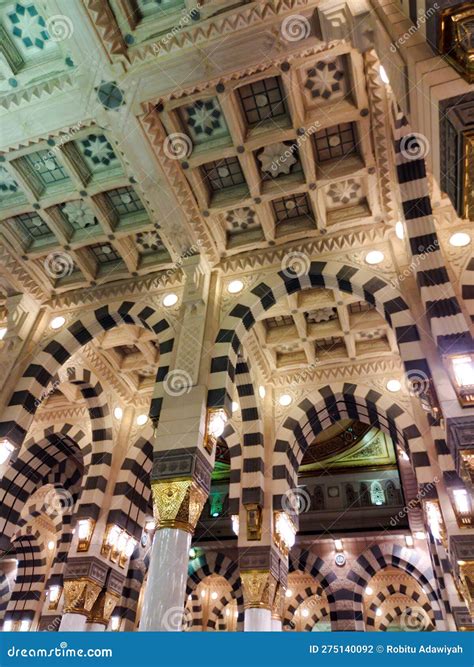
(97,149)
(344,191)
(277,159)
(29,26)
(149,240)
(205,120)
(324,79)
(241,219)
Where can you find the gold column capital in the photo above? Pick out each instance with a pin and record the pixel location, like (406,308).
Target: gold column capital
(80,595)
(259,589)
(177,503)
(466,583)
(103,608)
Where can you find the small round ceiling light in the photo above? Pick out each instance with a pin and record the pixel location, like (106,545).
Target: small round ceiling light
(170,300)
(394,385)
(142,419)
(118,412)
(57,322)
(285,400)
(235,286)
(460,239)
(374,257)
(262,391)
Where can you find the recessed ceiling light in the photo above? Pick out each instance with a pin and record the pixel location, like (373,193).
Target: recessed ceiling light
(142,419)
(419,535)
(235,406)
(305,613)
(409,540)
(57,322)
(118,412)
(288,592)
(235,286)
(3,331)
(261,391)
(384,75)
(374,257)
(285,399)
(460,239)
(400,230)
(378,612)
(170,300)
(369,590)
(214,595)
(394,385)
(51,545)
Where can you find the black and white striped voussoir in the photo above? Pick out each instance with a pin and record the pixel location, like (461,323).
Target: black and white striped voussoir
(332,275)
(448,324)
(37,380)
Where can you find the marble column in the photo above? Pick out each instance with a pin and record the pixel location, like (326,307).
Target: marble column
(258,620)
(95,627)
(277,624)
(73,623)
(177,506)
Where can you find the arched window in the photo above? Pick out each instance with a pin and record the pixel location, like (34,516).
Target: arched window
(392,493)
(377,496)
(364,494)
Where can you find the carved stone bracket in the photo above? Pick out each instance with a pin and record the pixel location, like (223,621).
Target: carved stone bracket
(178,504)
(103,607)
(80,595)
(260,588)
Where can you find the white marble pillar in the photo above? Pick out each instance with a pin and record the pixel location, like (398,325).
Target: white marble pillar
(258,620)
(277,625)
(95,627)
(163,603)
(73,623)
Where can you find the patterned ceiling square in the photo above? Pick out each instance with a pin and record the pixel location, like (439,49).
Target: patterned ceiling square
(205,121)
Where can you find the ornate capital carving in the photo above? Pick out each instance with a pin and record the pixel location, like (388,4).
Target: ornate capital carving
(260,588)
(177,504)
(80,595)
(278,610)
(103,607)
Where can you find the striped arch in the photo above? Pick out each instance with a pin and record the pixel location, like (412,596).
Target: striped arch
(255,302)
(467,288)
(447,322)
(408,615)
(30,578)
(216,614)
(409,591)
(33,387)
(253,479)
(329,404)
(193,613)
(295,602)
(378,557)
(232,438)
(216,563)
(324,576)
(97,473)
(38,457)
(317,615)
(132,493)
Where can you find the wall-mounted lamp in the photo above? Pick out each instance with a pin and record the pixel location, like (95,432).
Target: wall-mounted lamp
(461,370)
(110,540)
(434,519)
(409,541)
(254,521)
(85,528)
(338,545)
(216,422)
(54,597)
(285,532)
(235,524)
